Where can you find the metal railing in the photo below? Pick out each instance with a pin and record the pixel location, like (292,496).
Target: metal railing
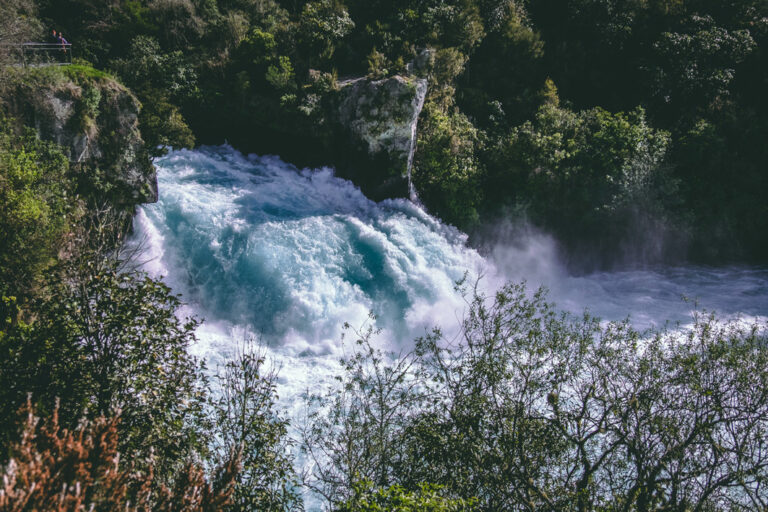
(40,54)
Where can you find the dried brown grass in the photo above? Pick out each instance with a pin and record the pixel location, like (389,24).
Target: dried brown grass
(55,469)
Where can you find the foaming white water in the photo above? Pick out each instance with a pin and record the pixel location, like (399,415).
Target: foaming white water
(295,254)
(259,248)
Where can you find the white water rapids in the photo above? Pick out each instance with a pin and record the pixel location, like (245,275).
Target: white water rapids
(257,247)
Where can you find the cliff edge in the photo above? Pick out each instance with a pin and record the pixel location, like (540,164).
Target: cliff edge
(95,120)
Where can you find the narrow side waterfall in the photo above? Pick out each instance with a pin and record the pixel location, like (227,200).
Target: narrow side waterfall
(418,104)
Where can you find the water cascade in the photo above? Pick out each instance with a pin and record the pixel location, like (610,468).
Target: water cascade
(418,104)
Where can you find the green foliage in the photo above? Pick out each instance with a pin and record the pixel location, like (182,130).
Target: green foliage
(161,81)
(281,76)
(179,22)
(163,125)
(583,171)
(377,64)
(697,65)
(259,44)
(444,67)
(90,101)
(354,429)
(108,340)
(506,68)
(530,408)
(322,25)
(366,498)
(147,65)
(246,421)
(549,94)
(36,203)
(88,109)
(84,72)
(18,23)
(456,24)
(446,171)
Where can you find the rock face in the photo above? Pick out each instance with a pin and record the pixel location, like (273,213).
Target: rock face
(95,120)
(377,120)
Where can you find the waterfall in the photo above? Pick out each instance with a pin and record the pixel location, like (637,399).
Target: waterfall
(294,254)
(418,104)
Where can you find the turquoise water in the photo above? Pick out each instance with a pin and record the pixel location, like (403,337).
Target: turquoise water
(258,247)
(292,255)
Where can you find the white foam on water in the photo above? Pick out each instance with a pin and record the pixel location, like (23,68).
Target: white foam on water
(258,248)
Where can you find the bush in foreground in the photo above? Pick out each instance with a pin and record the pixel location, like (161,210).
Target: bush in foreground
(530,409)
(57,469)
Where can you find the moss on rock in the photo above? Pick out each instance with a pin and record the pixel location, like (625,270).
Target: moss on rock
(95,120)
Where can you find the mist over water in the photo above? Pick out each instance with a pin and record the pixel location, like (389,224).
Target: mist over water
(651,296)
(259,248)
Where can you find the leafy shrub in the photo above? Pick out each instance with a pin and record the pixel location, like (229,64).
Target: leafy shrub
(585,171)
(446,171)
(366,498)
(531,408)
(35,208)
(322,25)
(106,340)
(246,421)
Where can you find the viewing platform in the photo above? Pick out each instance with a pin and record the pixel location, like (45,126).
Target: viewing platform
(39,54)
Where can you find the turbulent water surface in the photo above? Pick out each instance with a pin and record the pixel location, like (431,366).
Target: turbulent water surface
(258,247)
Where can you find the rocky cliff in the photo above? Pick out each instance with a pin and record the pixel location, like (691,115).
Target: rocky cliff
(376,121)
(95,120)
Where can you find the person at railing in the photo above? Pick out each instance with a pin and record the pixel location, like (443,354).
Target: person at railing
(63,42)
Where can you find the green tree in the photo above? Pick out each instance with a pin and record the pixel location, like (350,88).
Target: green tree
(107,339)
(162,81)
(697,65)
(18,24)
(366,498)
(590,175)
(447,173)
(246,421)
(322,25)
(36,206)
(281,76)
(354,429)
(539,409)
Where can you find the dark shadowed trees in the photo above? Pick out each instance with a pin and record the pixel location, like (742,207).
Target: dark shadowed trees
(530,409)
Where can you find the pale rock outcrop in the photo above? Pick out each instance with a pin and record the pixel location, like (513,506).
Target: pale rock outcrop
(378,120)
